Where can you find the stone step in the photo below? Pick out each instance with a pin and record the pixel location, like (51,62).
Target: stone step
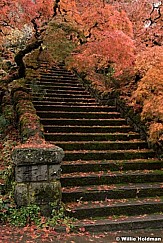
(108,154)
(52,76)
(110,178)
(111,165)
(90,137)
(67,100)
(58,71)
(102,145)
(62,91)
(87,129)
(45,103)
(76,115)
(121,223)
(128,207)
(114,191)
(58,81)
(83,122)
(41,83)
(58,95)
(75,108)
(54,87)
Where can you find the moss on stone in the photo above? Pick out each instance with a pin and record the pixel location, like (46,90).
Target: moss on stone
(20,95)
(29,122)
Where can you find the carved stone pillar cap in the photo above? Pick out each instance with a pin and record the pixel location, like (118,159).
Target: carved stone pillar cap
(39,155)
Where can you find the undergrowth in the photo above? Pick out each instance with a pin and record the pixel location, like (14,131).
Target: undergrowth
(31,214)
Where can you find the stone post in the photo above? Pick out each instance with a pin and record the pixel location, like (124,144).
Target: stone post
(37,176)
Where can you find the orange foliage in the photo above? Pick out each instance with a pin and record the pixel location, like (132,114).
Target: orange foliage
(19,12)
(151,57)
(15,14)
(108,36)
(149,93)
(100,54)
(156,133)
(146,17)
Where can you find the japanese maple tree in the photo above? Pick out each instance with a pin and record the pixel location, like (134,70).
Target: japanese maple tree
(15,14)
(146,17)
(101,25)
(148,97)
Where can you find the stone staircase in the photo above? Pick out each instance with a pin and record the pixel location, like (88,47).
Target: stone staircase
(110,179)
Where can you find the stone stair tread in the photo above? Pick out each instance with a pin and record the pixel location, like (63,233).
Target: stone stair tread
(110,203)
(104,142)
(110,151)
(59,77)
(63,95)
(111,207)
(114,187)
(55,86)
(92,136)
(64,90)
(108,154)
(119,223)
(76,114)
(96,113)
(112,165)
(62,103)
(109,173)
(57,80)
(81,136)
(58,72)
(86,127)
(72,83)
(55,74)
(61,99)
(43,82)
(94,133)
(76,106)
(94,162)
(80,119)
(102,145)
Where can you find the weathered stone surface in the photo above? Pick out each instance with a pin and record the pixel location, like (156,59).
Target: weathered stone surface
(37,174)
(40,193)
(21,194)
(45,193)
(54,172)
(23,156)
(30,173)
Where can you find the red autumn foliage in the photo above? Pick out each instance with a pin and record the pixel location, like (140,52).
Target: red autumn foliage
(101,26)
(149,92)
(146,17)
(15,15)
(19,12)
